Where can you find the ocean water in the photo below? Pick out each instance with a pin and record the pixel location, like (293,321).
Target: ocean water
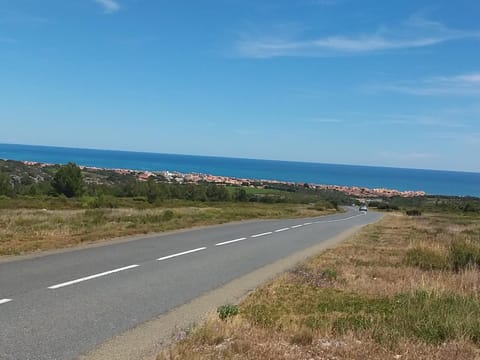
(430,181)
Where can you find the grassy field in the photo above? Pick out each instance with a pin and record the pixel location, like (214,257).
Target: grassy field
(28,230)
(404,288)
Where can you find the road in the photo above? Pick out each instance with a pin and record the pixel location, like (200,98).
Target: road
(62,305)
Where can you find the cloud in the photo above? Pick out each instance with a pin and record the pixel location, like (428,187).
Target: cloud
(416,32)
(432,120)
(458,85)
(109,6)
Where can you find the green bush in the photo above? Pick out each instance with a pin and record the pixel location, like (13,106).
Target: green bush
(226,311)
(68,181)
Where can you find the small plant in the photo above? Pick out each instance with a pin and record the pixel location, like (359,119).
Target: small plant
(226,311)
(330,274)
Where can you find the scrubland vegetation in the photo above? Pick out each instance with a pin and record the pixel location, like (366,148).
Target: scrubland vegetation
(55,207)
(404,288)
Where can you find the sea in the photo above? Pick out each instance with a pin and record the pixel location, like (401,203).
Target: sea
(433,182)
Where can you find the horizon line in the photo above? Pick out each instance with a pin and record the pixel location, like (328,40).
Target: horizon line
(240,158)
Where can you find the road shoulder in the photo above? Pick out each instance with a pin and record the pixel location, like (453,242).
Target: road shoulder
(146,341)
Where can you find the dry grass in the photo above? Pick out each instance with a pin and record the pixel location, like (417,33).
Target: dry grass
(23,231)
(360,300)
(238,339)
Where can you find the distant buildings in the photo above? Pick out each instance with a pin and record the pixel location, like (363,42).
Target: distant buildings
(195,178)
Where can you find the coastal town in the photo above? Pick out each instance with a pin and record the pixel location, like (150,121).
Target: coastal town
(195,178)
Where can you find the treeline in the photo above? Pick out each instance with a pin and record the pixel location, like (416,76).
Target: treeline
(68,181)
(430,204)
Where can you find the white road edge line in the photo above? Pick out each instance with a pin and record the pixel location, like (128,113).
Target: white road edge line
(262,234)
(53,287)
(296,226)
(230,241)
(4,301)
(282,229)
(337,220)
(181,253)
(307,223)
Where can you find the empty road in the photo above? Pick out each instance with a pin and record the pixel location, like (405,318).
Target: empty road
(62,305)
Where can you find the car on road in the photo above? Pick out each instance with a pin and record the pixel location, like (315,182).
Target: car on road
(362,208)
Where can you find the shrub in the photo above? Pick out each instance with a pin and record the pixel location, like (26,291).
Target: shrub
(413,212)
(226,311)
(426,259)
(68,181)
(464,253)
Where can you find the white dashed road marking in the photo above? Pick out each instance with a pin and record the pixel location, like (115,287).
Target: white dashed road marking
(53,287)
(4,301)
(262,234)
(230,242)
(181,253)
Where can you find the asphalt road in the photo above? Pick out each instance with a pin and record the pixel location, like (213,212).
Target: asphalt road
(62,305)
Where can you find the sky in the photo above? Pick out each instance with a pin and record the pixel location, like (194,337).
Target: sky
(364,82)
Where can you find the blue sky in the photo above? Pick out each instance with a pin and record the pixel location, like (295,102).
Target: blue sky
(388,83)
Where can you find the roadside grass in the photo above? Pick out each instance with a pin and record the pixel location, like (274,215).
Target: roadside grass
(392,291)
(27,230)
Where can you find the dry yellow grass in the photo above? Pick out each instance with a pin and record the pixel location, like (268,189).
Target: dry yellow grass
(318,310)
(23,231)
(238,339)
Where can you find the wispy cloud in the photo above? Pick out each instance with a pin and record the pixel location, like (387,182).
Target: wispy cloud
(433,120)
(109,6)
(416,32)
(458,85)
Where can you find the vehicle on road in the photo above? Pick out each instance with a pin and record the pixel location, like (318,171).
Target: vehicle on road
(363,208)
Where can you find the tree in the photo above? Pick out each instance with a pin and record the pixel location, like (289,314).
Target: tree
(68,180)
(241,195)
(152,191)
(5,185)
(217,193)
